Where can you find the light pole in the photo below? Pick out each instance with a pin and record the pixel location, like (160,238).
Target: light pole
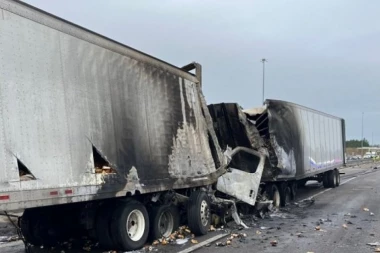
(362,132)
(263,61)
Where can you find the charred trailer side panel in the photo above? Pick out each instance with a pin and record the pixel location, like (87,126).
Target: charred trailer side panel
(303,142)
(84,117)
(95,135)
(300,144)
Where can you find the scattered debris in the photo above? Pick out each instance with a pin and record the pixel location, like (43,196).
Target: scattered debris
(300,235)
(372,214)
(264,228)
(220,244)
(318,228)
(365,209)
(353,216)
(104,170)
(345,226)
(181,241)
(155,242)
(359,228)
(193,241)
(274,243)
(350,223)
(374,244)
(228,242)
(347,214)
(4,239)
(212,228)
(377,250)
(305,203)
(258,232)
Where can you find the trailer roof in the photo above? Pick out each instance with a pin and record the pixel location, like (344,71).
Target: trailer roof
(44,18)
(267,101)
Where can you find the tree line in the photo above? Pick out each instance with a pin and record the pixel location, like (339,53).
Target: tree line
(357,143)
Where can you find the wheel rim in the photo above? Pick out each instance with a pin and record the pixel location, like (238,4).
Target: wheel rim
(276,198)
(205,214)
(166,223)
(135,225)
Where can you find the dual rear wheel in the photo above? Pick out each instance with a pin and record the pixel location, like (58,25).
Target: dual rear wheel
(331,178)
(128,225)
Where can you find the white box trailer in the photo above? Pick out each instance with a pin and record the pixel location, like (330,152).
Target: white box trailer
(98,136)
(301,143)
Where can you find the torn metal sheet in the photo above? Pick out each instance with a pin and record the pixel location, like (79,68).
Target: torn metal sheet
(242,185)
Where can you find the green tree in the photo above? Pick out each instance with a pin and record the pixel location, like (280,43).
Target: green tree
(357,143)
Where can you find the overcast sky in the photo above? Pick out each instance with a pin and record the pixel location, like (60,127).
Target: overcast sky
(322,54)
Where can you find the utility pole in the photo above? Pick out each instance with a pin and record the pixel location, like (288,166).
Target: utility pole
(264,61)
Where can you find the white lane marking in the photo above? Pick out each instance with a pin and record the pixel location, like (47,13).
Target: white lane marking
(348,180)
(201,244)
(329,189)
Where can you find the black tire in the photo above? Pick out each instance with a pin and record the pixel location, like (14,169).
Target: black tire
(331,178)
(27,225)
(326,182)
(337,175)
(286,194)
(198,213)
(135,213)
(294,188)
(102,227)
(273,194)
(301,183)
(38,228)
(164,220)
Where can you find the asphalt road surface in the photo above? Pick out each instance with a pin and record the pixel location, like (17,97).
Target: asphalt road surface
(344,219)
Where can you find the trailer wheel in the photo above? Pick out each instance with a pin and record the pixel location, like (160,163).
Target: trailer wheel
(294,188)
(331,178)
(198,213)
(274,194)
(326,180)
(286,195)
(36,227)
(164,220)
(337,175)
(27,225)
(102,227)
(130,226)
(301,183)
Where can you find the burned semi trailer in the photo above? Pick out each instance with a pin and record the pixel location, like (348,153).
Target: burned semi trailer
(301,144)
(98,137)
